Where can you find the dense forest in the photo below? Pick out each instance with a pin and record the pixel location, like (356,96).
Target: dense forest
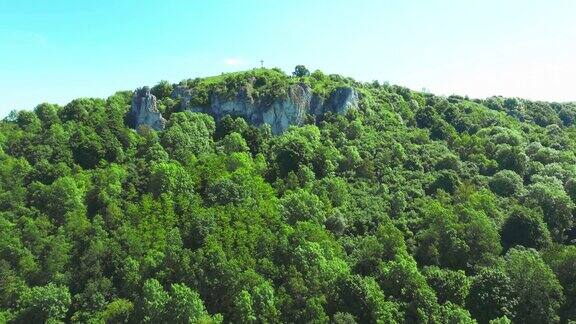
(412,208)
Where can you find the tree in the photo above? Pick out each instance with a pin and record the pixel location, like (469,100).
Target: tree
(28,121)
(562,260)
(87,147)
(511,158)
(243,308)
(555,203)
(225,191)
(446,180)
(48,114)
(153,303)
(449,285)
(233,142)
(187,135)
(181,305)
(44,304)
(171,178)
(162,90)
(538,291)
(445,242)
(402,280)
(451,313)
(567,115)
(264,302)
(344,318)
(364,300)
(301,71)
(87,111)
(228,125)
(117,311)
(295,147)
(501,320)
(491,296)
(185,305)
(301,205)
(506,183)
(524,227)
(58,200)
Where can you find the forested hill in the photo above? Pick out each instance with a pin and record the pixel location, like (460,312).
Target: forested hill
(404,207)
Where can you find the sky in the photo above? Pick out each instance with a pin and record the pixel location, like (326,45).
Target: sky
(55,51)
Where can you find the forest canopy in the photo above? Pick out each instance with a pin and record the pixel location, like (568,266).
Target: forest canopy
(409,208)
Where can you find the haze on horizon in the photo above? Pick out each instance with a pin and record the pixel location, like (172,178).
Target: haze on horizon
(55,51)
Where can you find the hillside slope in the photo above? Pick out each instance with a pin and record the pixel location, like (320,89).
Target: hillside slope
(401,206)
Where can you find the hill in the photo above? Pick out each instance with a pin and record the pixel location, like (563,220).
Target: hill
(265,197)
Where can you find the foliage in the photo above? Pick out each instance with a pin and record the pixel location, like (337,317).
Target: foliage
(537,288)
(411,208)
(301,71)
(162,90)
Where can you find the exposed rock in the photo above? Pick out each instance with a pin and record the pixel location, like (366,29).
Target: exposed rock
(342,99)
(183,94)
(144,110)
(280,113)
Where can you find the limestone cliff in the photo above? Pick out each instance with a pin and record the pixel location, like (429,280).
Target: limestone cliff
(144,110)
(279,113)
(290,108)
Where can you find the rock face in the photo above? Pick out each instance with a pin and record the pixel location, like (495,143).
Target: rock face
(281,113)
(342,99)
(144,110)
(183,94)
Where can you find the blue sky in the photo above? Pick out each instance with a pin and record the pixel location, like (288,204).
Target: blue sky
(54,51)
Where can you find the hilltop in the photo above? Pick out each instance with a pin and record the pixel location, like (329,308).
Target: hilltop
(261,196)
(269,96)
(259,96)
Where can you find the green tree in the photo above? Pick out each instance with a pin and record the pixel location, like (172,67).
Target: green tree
(185,306)
(28,121)
(171,178)
(117,311)
(449,285)
(233,142)
(492,295)
(402,280)
(556,205)
(301,205)
(225,191)
(524,227)
(451,313)
(42,304)
(153,302)
(162,90)
(562,260)
(58,200)
(48,114)
(243,308)
(301,71)
(506,183)
(364,300)
(187,135)
(87,147)
(537,288)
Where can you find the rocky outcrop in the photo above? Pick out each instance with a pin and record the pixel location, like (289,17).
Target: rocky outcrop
(144,110)
(280,113)
(342,99)
(182,93)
